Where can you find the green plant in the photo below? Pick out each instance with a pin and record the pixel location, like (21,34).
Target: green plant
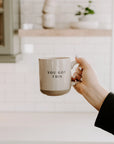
(84,11)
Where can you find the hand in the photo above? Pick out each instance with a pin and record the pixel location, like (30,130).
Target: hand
(88,84)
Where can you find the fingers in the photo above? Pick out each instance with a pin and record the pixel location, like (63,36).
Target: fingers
(80,87)
(79,70)
(76,76)
(82,62)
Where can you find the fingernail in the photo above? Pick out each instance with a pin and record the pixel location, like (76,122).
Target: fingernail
(80,68)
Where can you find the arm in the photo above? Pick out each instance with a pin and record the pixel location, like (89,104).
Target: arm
(89,87)
(105,118)
(95,94)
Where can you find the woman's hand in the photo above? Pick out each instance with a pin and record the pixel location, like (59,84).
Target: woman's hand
(88,84)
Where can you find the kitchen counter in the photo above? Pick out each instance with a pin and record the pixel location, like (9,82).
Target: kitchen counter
(57,128)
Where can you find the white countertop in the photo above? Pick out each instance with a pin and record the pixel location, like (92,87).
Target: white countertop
(51,127)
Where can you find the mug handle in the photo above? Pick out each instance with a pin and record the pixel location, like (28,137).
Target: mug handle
(73,63)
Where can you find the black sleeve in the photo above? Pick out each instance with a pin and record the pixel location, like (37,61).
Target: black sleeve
(105,118)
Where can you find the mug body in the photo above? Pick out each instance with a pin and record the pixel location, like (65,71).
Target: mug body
(55,75)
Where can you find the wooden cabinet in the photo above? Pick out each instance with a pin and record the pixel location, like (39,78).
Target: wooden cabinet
(9,25)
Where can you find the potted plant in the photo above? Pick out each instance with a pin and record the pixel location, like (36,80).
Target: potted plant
(86,20)
(84,12)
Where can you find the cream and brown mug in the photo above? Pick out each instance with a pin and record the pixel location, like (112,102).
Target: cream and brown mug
(55,75)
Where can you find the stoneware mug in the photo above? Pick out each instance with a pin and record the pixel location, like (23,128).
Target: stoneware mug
(55,75)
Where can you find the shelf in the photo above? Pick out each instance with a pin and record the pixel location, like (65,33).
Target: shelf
(1,10)
(65,32)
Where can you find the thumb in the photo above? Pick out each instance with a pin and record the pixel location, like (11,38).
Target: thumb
(80,87)
(82,62)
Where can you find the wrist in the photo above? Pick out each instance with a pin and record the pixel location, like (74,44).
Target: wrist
(101,95)
(96,95)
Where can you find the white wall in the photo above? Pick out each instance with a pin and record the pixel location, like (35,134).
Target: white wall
(20,82)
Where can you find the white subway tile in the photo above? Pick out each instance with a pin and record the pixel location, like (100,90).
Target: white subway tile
(26,107)
(45,107)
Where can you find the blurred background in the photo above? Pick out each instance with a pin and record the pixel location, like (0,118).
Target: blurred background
(31,29)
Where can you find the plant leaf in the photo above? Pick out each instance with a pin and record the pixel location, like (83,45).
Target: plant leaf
(90,1)
(79,5)
(89,11)
(85,14)
(78,13)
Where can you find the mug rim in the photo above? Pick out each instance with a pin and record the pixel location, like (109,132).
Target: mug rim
(54,58)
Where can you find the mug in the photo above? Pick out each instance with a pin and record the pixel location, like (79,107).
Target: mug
(55,75)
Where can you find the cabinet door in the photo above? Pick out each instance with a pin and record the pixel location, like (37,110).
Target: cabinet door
(9,40)
(5,27)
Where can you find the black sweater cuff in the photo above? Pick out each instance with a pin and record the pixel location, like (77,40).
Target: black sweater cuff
(105,118)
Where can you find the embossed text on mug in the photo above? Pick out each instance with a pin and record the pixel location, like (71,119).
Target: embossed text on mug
(56,74)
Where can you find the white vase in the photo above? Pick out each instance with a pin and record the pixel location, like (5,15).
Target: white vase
(86,22)
(51,2)
(49,9)
(49,20)
(85,25)
(50,6)
(87,18)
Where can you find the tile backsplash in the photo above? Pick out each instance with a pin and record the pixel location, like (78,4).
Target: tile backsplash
(19,83)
